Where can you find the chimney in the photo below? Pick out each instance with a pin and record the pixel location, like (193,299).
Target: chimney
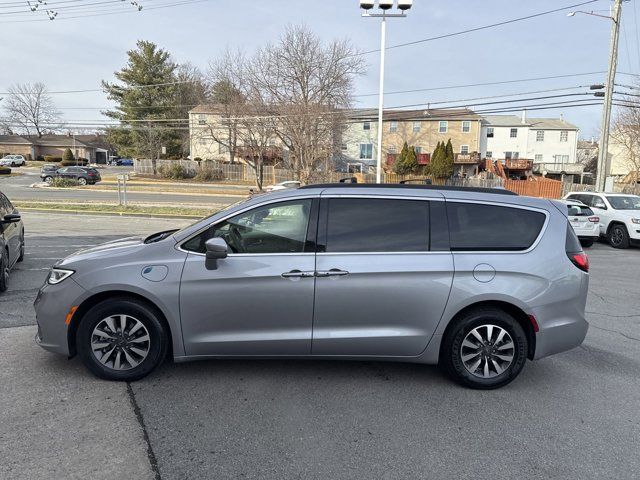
(524,117)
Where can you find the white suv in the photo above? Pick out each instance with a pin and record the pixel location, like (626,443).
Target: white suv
(619,215)
(13,161)
(584,222)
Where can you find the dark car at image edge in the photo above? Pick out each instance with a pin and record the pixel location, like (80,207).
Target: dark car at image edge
(84,175)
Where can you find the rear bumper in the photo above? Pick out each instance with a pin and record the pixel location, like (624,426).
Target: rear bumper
(561,337)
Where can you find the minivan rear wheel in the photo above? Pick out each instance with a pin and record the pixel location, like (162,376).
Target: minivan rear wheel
(121,339)
(485,349)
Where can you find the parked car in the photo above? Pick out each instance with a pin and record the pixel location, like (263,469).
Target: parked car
(84,175)
(124,162)
(584,222)
(13,161)
(282,186)
(477,280)
(619,215)
(49,168)
(11,239)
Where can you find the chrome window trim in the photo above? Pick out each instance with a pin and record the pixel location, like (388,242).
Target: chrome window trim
(240,212)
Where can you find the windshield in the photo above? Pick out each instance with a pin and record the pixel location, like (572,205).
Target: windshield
(630,202)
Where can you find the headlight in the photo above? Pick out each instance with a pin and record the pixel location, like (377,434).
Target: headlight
(636,221)
(57,275)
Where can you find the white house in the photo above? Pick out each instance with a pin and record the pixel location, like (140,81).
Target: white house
(551,143)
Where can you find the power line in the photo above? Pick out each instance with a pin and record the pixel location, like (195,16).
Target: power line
(484,27)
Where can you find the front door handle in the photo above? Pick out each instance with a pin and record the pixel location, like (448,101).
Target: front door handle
(334,272)
(298,274)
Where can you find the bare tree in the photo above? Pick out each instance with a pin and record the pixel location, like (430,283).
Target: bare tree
(31,109)
(307,86)
(625,136)
(192,90)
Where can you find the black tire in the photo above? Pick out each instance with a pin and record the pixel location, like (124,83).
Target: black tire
(157,347)
(13,164)
(21,257)
(82,181)
(451,353)
(48,180)
(587,243)
(4,270)
(618,236)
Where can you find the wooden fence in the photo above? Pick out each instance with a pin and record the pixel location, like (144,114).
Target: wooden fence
(537,188)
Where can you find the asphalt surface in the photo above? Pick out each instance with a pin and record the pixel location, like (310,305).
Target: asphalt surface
(574,415)
(17,188)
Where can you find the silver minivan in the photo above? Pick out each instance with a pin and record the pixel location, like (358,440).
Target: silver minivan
(474,280)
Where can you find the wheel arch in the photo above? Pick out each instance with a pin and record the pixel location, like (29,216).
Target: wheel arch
(93,300)
(613,223)
(516,312)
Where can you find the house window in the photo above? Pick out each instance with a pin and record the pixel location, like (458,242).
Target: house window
(511,155)
(417,126)
(202,119)
(444,127)
(464,149)
(393,126)
(490,132)
(393,149)
(344,147)
(564,136)
(366,126)
(513,133)
(540,136)
(565,158)
(466,127)
(539,158)
(418,150)
(489,155)
(366,151)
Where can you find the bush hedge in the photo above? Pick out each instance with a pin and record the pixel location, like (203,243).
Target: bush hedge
(209,173)
(5,171)
(175,171)
(64,182)
(52,158)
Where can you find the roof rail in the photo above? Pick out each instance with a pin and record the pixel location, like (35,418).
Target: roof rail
(494,191)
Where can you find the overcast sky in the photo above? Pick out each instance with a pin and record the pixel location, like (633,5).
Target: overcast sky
(75,54)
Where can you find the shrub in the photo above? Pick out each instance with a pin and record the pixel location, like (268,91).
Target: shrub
(67,156)
(40,158)
(64,182)
(78,161)
(209,173)
(5,171)
(52,158)
(174,171)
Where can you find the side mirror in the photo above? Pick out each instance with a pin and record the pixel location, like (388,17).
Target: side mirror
(217,249)
(11,218)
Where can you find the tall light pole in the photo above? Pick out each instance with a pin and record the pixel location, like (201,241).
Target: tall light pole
(385,6)
(603,154)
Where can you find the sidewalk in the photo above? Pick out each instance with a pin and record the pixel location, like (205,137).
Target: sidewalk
(57,421)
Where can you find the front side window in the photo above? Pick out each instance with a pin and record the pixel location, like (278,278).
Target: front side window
(466,127)
(625,203)
(443,127)
(274,228)
(540,136)
(377,225)
(366,151)
(479,227)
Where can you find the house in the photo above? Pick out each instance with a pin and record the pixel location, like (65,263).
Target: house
(92,147)
(546,146)
(624,152)
(420,129)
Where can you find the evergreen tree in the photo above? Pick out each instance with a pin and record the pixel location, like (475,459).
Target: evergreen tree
(142,132)
(67,156)
(411,163)
(399,166)
(442,162)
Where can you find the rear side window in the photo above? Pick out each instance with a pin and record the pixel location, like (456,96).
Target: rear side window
(478,227)
(377,225)
(572,244)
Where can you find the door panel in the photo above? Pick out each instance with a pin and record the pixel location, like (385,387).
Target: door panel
(246,307)
(388,304)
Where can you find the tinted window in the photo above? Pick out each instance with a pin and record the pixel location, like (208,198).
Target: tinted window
(275,228)
(579,211)
(489,228)
(572,244)
(377,225)
(625,203)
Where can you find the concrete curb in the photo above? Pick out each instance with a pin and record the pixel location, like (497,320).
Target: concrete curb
(107,214)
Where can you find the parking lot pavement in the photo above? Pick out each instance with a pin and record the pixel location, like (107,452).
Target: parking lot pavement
(573,415)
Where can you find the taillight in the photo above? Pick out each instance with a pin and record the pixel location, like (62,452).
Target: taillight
(580,260)
(594,219)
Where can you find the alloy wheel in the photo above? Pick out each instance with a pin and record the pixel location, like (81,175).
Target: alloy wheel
(487,351)
(617,236)
(120,342)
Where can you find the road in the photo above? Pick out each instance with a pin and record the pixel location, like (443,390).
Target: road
(17,188)
(573,415)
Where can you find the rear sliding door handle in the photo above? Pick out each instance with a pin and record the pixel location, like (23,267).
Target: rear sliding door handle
(298,274)
(334,272)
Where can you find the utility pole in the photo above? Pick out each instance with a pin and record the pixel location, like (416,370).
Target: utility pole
(603,155)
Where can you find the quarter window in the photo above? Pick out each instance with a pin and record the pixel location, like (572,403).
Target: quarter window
(478,227)
(275,228)
(377,225)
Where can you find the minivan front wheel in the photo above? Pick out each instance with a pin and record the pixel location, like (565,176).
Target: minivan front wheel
(121,339)
(485,349)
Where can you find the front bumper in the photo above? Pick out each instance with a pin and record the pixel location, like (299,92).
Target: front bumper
(52,305)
